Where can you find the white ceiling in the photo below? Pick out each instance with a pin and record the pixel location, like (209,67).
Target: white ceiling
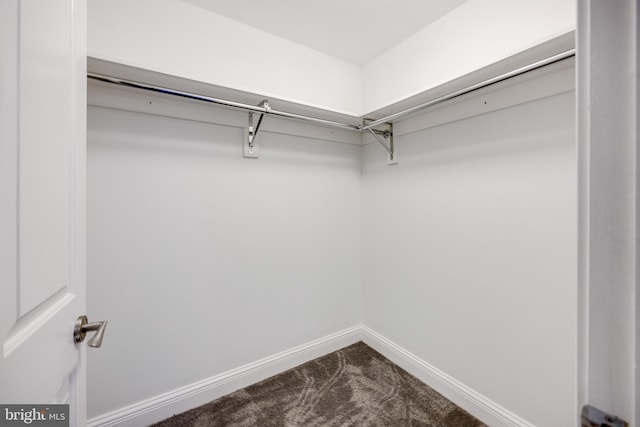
(354,30)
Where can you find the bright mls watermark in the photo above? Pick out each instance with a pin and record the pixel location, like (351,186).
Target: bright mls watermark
(34,415)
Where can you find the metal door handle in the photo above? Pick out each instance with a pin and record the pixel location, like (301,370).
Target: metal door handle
(81,326)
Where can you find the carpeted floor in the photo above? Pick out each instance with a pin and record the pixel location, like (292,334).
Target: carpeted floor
(354,386)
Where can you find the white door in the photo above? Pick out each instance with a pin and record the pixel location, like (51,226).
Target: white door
(42,185)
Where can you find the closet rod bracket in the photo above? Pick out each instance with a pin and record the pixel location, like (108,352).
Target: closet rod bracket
(251,148)
(382,136)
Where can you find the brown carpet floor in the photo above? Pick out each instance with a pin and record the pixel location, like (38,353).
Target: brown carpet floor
(354,386)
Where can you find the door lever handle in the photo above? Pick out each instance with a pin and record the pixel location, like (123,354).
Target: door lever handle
(81,326)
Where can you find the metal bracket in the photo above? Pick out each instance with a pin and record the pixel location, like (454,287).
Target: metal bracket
(387,134)
(594,417)
(251,149)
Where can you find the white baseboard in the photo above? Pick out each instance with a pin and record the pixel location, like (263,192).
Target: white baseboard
(166,405)
(468,399)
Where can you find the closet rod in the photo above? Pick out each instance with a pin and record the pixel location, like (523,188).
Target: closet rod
(485,83)
(539,64)
(219,101)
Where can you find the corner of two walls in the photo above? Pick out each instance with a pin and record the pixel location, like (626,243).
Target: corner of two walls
(453,244)
(179,39)
(204,261)
(470,245)
(470,242)
(464,254)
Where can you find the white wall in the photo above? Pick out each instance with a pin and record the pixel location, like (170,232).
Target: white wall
(475,35)
(180,39)
(470,244)
(202,260)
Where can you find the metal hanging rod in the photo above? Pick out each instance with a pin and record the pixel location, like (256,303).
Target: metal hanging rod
(219,101)
(365,126)
(485,83)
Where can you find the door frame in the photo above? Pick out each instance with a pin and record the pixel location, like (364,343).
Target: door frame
(607,109)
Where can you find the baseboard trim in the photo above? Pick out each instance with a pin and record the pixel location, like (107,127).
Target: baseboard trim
(182,399)
(470,400)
